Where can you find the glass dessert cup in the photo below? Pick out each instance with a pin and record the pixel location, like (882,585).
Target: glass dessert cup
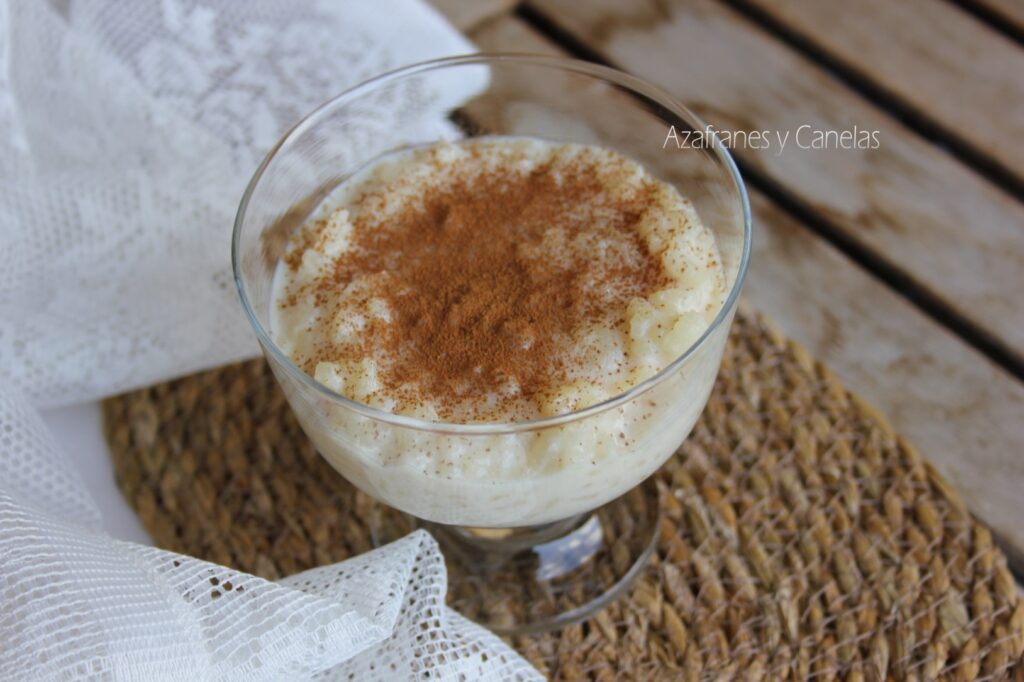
(535,546)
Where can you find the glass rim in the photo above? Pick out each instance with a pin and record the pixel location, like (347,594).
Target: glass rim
(619,78)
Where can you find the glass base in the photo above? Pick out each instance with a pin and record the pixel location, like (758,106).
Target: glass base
(537,578)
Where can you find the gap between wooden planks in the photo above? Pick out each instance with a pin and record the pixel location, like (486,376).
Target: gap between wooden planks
(964,413)
(908,204)
(1008,12)
(946,66)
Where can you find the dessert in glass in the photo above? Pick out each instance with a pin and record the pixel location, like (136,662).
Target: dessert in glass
(498,324)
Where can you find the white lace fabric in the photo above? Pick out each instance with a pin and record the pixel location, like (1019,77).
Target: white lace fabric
(129,131)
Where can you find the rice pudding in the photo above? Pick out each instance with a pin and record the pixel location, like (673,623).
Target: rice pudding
(501,280)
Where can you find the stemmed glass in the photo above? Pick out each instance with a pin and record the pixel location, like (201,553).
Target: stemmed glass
(549,546)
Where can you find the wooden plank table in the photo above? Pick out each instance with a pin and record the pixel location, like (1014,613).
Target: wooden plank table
(901,267)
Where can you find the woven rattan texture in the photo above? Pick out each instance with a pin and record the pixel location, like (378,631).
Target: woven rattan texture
(802,538)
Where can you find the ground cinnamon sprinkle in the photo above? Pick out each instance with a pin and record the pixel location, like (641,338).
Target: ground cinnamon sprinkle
(488,275)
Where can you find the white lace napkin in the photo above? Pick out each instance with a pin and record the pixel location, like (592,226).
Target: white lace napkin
(127,134)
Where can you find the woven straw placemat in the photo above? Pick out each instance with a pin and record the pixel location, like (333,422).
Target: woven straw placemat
(801,537)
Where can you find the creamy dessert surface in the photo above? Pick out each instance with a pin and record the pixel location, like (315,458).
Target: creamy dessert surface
(500,280)
(495,280)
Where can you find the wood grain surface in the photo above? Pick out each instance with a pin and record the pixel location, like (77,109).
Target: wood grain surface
(965,414)
(915,208)
(466,15)
(944,64)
